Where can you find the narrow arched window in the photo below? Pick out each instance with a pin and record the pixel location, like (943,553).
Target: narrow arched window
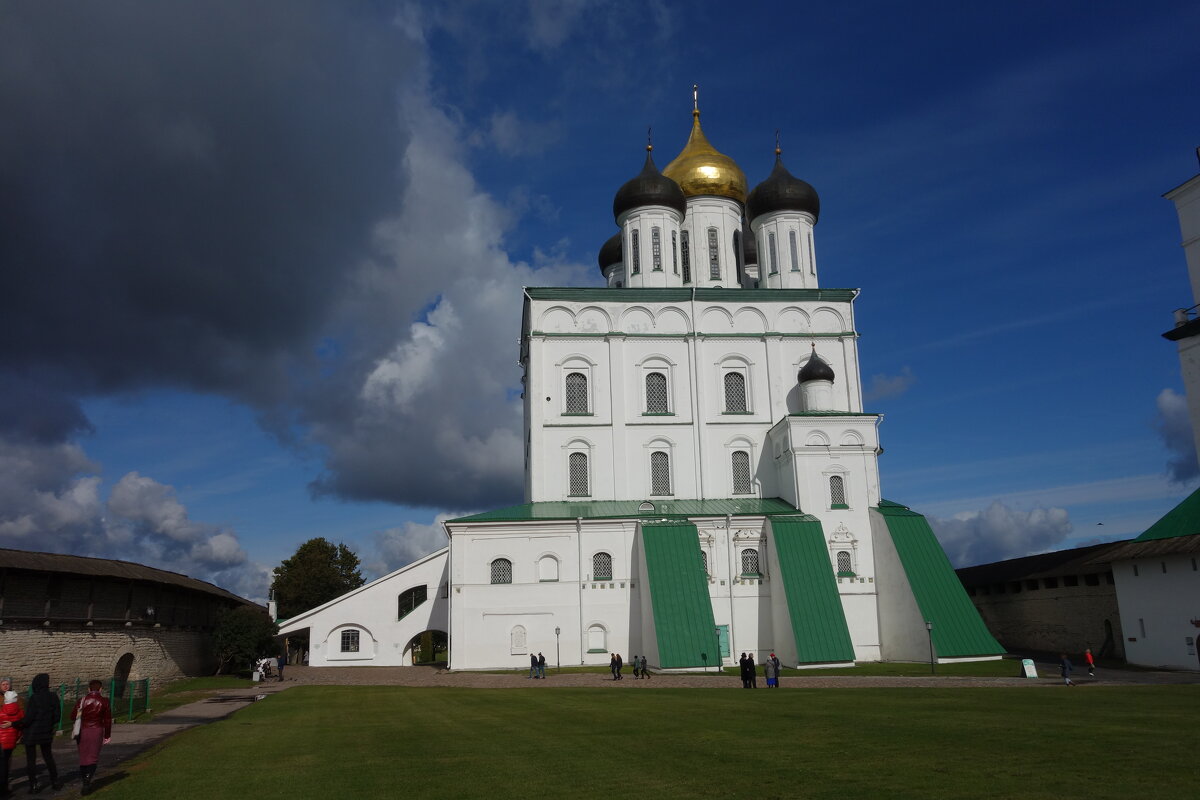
(772,254)
(735,392)
(577,393)
(795,251)
(577,466)
(704,561)
(837,490)
(843,561)
(501,571)
(675,252)
(547,569)
(602,567)
(750,562)
(410,599)
(737,254)
(660,473)
(812,264)
(635,255)
(686,254)
(656,248)
(741,472)
(714,256)
(656,393)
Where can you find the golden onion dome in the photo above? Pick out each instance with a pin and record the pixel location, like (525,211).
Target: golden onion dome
(700,169)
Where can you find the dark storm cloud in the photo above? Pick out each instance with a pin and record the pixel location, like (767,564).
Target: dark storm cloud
(186,186)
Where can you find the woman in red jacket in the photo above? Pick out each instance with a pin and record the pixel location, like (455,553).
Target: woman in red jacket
(95,730)
(10,712)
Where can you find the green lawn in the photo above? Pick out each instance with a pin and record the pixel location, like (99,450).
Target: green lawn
(1037,742)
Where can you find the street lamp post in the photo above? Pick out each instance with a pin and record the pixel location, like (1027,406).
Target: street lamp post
(557,649)
(720,662)
(932,661)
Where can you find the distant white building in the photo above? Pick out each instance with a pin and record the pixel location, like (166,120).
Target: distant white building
(701,476)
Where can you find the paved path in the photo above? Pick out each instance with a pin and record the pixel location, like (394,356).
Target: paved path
(131,740)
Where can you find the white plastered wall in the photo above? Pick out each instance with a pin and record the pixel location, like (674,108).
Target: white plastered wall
(1157,608)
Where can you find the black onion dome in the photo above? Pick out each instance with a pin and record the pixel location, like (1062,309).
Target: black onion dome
(782,191)
(610,252)
(815,370)
(649,188)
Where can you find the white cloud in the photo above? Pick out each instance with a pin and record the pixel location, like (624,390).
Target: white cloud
(999,532)
(882,386)
(397,547)
(1174,425)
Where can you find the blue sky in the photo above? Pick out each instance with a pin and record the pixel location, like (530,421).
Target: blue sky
(264,263)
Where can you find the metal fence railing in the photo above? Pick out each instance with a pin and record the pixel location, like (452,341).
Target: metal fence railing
(127,699)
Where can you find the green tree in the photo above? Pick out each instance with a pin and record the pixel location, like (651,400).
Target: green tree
(319,572)
(242,635)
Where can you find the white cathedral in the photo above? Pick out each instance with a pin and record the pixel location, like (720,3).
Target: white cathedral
(701,477)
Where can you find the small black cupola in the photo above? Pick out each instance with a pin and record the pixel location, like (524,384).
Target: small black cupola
(649,188)
(782,191)
(610,252)
(815,370)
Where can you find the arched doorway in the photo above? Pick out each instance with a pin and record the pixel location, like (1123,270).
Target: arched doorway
(121,675)
(427,647)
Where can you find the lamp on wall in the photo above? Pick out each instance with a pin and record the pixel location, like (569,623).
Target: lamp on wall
(557,649)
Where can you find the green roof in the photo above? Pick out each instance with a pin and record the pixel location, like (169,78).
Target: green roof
(958,631)
(597,295)
(813,603)
(620,509)
(1182,520)
(683,615)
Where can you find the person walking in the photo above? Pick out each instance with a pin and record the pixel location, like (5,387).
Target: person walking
(645,673)
(620,664)
(532,667)
(612,665)
(778,669)
(634,662)
(37,730)
(541,666)
(10,712)
(282,662)
(95,731)
(1091,662)
(742,667)
(751,670)
(1065,667)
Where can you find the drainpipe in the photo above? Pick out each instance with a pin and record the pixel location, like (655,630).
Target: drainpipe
(579,605)
(729,539)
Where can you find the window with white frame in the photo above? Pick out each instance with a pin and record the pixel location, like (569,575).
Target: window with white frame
(750,562)
(714,256)
(577,470)
(602,567)
(656,248)
(837,491)
(794,251)
(735,392)
(741,472)
(547,569)
(685,256)
(597,639)
(350,641)
(518,641)
(635,255)
(660,473)
(844,567)
(812,264)
(501,571)
(657,400)
(772,254)
(675,251)
(577,393)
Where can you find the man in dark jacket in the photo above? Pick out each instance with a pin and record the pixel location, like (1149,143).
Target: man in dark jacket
(41,718)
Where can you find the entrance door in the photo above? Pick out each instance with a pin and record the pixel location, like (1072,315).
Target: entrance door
(723,640)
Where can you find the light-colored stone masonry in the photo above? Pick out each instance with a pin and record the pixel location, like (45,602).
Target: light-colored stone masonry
(160,654)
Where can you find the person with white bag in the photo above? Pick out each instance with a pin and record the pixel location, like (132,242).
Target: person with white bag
(93,730)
